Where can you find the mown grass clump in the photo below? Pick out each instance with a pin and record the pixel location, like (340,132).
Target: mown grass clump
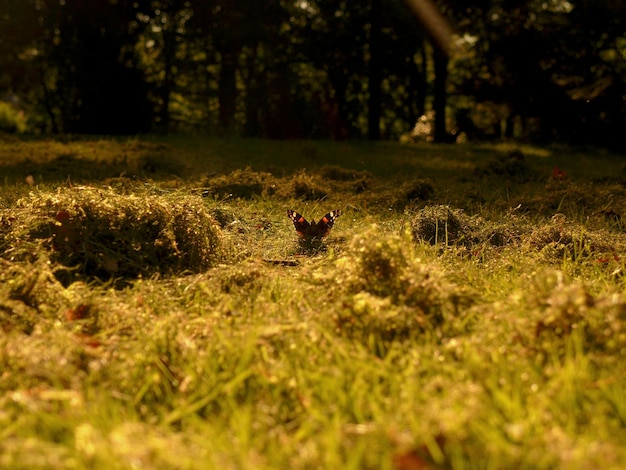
(513,166)
(563,308)
(418,191)
(308,187)
(360,180)
(442,225)
(97,233)
(337,173)
(393,295)
(21,292)
(245,184)
(559,238)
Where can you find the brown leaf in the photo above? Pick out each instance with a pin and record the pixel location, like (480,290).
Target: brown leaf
(410,461)
(79,313)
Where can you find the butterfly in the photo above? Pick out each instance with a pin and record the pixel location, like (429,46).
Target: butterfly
(312,230)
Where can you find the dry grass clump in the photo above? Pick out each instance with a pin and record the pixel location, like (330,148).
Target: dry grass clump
(15,313)
(443,225)
(603,203)
(29,292)
(561,238)
(26,283)
(99,233)
(411,194)
(360,180)
(328,180)
(512,166)
(159,164)
(420,190)
(244,184)
(392,294)
(501,234)
(563,309)
(304,185)
(309,187)
(337,173)
(561,197)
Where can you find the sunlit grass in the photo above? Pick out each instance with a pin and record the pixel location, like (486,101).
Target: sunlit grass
(495,341)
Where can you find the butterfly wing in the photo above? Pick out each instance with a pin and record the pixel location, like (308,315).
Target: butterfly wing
(327,222)
(300,223)
(322,228)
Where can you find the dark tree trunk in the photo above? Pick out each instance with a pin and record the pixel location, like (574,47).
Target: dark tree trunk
(439,94)
(254,83)
(509,129)
(422,88)
(169,51)
(282,121)
(227,89)
(49,106)
(339,81)
(252,127)
(375,71)
(417,89)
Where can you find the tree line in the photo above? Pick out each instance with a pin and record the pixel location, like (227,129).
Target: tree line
(538,70)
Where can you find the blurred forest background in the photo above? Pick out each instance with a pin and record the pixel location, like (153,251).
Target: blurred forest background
(532,70)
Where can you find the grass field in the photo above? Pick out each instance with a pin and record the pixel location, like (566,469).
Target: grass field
(157,310)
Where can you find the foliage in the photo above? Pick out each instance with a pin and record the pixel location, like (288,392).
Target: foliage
(532,62)
(12,121)
(319,69)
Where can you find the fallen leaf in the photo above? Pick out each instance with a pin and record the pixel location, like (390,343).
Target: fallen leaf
(558,174)
(79,313)
(410,461)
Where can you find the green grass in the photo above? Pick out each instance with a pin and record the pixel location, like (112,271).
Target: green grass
(157,311)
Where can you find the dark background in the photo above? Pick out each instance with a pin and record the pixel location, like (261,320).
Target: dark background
(537,71)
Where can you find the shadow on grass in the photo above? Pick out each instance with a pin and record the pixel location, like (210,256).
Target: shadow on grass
(53,163)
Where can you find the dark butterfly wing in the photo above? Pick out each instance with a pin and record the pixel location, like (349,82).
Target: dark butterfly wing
(300,223)
(327,222)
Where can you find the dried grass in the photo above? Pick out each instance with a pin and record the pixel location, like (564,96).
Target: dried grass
(99,233)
